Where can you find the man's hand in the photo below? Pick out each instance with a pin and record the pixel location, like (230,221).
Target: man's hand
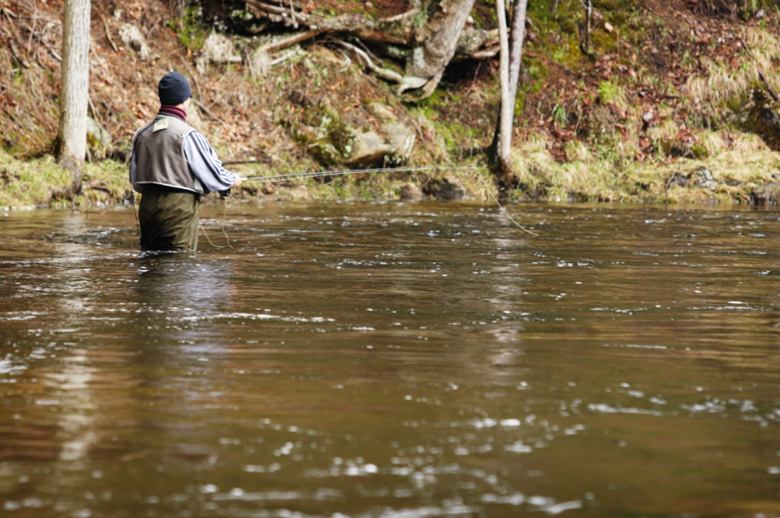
(238,181)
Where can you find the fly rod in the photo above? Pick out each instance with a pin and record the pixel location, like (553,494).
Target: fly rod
(316,174)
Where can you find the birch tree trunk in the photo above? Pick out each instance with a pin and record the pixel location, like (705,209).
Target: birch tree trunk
(71,145)
(502,141)
(435,42)
(517,35)
(507,108)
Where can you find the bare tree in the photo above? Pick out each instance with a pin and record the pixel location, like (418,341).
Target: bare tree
(511,61)
(71,143)
(434,43)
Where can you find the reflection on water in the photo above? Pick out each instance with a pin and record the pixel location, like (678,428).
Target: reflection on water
(394,361)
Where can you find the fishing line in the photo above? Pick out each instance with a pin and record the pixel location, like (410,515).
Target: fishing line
(399,170)
(137,225)
(490,192)
(222,228)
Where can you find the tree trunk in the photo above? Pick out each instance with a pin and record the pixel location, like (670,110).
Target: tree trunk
(71,145)
(435,42)
(516,47)
(501,146)
(507,107)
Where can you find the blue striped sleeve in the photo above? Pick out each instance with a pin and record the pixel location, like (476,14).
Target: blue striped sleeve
(205,164)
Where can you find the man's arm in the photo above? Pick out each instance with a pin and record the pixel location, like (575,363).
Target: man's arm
(205,164)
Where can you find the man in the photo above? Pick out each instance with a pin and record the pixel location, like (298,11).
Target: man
(172,165)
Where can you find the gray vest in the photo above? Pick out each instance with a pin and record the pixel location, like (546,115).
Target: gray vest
(159,155)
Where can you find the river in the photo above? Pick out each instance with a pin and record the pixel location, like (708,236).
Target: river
(395,361)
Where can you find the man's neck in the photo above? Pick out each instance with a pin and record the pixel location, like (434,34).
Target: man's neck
(174,111)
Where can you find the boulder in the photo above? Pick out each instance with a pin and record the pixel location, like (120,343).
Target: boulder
(131,36)
(766,194)
(368,149)
(763,119)
(97,132)
(401,139)
(410,192)
(704,179)
(448,188)
(679,179)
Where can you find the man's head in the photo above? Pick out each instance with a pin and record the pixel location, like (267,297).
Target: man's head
(173,89)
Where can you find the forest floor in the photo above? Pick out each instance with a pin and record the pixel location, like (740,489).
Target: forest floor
(660,108)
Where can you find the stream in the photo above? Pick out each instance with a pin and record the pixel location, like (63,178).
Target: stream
(393,360)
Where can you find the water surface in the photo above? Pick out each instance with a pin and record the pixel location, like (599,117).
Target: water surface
(393,360)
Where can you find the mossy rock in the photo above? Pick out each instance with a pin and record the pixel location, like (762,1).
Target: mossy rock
(763,119)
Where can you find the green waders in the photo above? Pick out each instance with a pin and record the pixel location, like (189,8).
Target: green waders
(169,221)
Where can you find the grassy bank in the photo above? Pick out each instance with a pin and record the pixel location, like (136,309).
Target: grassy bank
(745,175)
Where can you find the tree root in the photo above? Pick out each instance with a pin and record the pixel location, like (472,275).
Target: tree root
(472,44)
(404,82)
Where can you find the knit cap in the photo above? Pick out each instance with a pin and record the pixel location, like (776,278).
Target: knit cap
(174,89)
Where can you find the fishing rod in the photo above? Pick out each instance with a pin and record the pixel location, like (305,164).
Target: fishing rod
(317,174)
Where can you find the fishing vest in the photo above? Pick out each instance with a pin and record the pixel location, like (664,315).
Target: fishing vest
(159,155)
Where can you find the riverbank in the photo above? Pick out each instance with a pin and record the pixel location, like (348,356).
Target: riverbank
(662,107)
(747,175)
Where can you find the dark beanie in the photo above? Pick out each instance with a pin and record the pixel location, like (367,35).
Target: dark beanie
(174,89)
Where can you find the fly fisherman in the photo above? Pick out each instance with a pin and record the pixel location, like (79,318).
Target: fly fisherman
(172,166)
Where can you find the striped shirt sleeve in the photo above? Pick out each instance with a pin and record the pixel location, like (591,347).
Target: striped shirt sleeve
(205,164)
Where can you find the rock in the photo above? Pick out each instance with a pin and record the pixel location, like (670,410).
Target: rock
(381,112)
(324,152)
(410,192)
(100,134)
(250,188)
(401,138)
(132,37)
(268,189)
(402,141)
(299,193)
(764,120)
(679,179)
(217,49)
(368,149)
(767,194)
(448,188)
(704,179)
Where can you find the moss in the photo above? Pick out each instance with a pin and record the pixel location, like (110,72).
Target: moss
(568,52)
(604,42)
(189,28)
(610,92)
(29,183)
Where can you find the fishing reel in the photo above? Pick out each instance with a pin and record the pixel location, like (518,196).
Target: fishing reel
(224,194)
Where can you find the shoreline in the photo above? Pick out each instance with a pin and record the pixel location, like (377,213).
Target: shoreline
(732,178)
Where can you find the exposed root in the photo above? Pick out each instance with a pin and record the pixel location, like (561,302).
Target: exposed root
(404,82)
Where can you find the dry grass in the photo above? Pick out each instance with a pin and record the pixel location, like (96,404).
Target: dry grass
(664,133)
(28,183)
(740,169)
(723,82)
